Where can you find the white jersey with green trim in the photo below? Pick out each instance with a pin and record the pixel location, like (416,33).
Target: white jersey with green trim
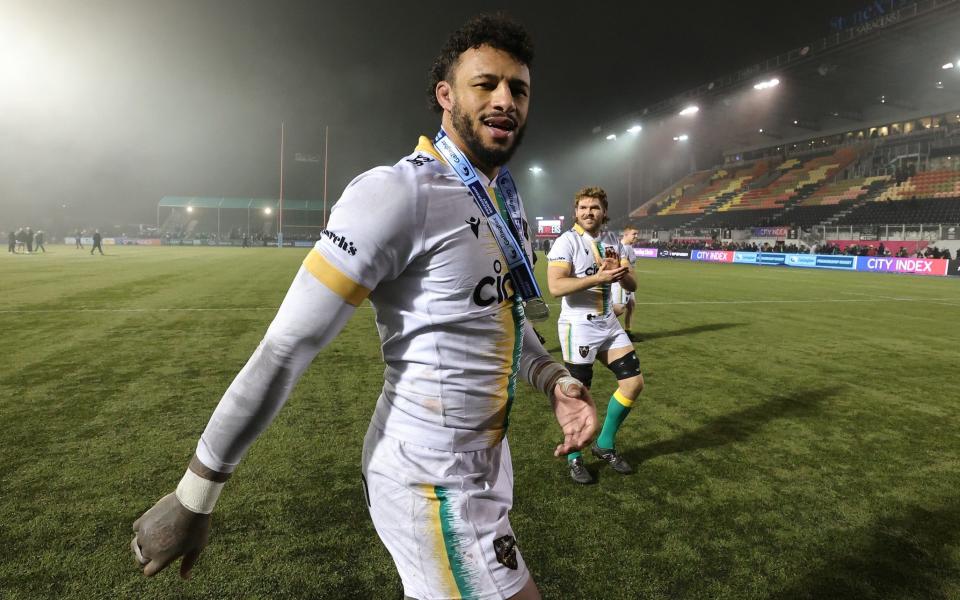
(573,249)
(451,328)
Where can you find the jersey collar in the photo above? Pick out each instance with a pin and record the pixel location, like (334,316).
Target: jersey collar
(425,144)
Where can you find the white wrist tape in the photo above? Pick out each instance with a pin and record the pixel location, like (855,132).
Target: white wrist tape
(197,494)
(566,381)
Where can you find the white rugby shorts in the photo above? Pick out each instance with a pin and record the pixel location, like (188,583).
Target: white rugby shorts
(581,337)
(618,295)
(443,516)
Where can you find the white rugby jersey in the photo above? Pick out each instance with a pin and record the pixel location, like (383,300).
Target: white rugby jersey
(412,237)
(573,249)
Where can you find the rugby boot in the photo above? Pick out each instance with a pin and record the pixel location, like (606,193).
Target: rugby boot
(579,472)
(610,456)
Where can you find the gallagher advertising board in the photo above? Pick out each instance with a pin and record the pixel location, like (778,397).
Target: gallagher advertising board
(916,266)
(664,253)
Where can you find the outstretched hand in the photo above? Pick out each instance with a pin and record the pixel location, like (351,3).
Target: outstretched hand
(165,533)
(576,414)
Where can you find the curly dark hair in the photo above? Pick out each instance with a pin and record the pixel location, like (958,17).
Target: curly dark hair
(498,31)
(591,192)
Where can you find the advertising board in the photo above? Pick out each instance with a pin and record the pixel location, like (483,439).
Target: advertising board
(915,266)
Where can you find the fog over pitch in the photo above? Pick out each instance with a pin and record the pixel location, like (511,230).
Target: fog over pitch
(107,106)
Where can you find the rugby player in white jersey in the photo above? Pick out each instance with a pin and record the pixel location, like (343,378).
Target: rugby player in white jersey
(583,264)
(623,302)
(436,463)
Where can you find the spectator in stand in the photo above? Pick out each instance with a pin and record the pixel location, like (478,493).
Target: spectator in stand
(881,250)
(902,252)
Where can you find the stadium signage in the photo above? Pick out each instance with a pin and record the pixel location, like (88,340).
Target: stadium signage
(712,255)
(645,252)
(878,10)
(916,266)
(954,268)
(770,232)
(802,260)
(770,258)
(830,261)
(664,253)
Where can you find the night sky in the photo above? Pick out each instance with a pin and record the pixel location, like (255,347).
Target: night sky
(106,106)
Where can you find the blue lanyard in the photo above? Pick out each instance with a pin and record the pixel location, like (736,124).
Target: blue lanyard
(521,269)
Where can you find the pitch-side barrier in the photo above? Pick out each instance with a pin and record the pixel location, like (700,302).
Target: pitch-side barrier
(839,262)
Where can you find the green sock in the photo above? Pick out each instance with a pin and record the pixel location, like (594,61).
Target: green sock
(574,455)
(617,411)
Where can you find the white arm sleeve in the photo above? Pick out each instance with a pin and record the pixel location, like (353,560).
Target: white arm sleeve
(537,367)
(310,317)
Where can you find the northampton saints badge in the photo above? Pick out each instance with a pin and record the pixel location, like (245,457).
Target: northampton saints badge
(506,549)
(584,351)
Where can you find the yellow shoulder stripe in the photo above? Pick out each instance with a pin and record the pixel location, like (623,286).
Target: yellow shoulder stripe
(558,263)
(425,145)
(337,282)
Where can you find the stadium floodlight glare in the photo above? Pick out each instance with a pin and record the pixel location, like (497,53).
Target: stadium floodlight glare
(268,211)
(612,136)
(536,170)
(189,209)
(635,129)
(949,65)
(690,110)
(681,138)
(765,85)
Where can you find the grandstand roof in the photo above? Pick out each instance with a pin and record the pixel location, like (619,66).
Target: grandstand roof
(239,203)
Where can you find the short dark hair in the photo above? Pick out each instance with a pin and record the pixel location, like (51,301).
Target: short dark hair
(498,31)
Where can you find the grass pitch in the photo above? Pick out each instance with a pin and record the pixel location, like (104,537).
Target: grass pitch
(799,437)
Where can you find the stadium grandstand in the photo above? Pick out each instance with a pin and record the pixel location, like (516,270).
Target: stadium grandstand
(231,221)
(855,136)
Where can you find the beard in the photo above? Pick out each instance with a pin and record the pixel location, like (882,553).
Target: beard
(486,157)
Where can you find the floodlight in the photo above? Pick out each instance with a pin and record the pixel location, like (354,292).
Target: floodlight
(536,170)
(690,110)
(949,65)
(681,138)
(765,85)
(612,136)
(761,130)
(939,85)
(267,211)
(635,129)
(190,209)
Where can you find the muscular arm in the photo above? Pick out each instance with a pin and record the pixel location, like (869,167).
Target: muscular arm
(571,402)
(629,282)
(310,317)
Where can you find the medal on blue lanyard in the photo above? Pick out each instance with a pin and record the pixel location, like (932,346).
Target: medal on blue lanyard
(507,237)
